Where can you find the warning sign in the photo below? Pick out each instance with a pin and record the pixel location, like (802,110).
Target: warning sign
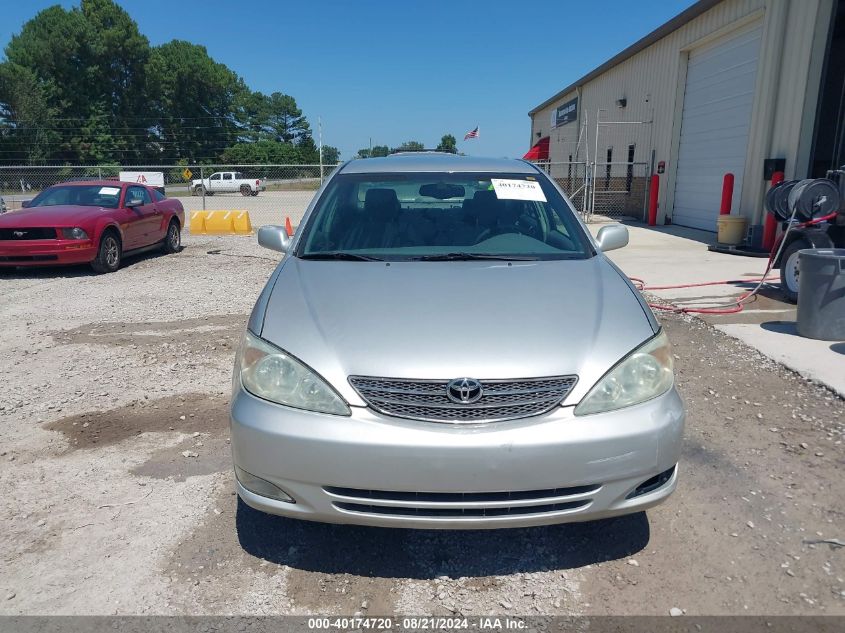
(187,174)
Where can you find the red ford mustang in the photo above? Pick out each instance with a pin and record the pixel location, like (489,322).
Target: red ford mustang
(90,222)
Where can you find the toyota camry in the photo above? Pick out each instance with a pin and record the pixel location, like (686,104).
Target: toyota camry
(444,345)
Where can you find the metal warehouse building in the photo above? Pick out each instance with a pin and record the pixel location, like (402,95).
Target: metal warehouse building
(722,87)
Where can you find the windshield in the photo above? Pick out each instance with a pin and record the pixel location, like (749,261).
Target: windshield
(79,195)
(434,216)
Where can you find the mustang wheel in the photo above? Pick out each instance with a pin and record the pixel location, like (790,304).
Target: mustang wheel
(109,254)
(173,239)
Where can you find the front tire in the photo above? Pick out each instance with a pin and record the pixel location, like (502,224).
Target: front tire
(109,254)
(172,239)
(789,272)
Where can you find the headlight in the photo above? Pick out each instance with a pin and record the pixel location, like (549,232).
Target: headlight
(645,373)
(74,234)
(271,374)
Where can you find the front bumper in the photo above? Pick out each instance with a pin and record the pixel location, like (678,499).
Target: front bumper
(46,252)
(372,470)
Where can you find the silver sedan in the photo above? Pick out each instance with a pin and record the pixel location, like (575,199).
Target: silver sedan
(444,345)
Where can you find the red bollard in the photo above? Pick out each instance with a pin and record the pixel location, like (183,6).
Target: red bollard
(727,194)
(770,226)
(652,199)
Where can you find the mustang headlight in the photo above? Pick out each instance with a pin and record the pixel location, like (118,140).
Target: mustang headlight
(75,233)
(271,374)
(645,373)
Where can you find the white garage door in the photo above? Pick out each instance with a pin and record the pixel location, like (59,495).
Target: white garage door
(718,100)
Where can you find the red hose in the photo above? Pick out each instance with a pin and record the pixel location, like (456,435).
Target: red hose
(640,284)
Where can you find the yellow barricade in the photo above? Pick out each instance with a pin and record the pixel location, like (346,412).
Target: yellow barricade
(220,222)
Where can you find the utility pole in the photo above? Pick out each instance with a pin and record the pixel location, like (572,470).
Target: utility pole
(320,129)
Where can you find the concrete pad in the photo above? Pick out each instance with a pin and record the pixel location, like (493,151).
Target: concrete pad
(670,255)
(821,361)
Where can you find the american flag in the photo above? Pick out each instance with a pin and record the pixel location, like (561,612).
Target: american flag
(471,133)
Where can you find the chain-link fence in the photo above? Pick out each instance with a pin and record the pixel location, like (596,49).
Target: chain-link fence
(618,190)
(268,192)
(603,192)
(571,177)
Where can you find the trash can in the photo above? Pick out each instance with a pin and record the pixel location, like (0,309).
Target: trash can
(821,293)
(730,229)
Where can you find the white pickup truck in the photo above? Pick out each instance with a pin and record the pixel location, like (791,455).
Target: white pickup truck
(227,182)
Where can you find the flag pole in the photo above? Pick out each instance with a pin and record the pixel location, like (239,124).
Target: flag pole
(320,129)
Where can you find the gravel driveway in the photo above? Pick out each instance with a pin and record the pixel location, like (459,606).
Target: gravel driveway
(116,491)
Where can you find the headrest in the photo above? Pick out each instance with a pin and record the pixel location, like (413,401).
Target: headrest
(486,206)
(381,201)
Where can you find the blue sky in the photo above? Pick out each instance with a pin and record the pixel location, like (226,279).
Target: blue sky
(397,71)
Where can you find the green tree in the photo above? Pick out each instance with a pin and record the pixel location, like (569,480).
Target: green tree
(83,85)
(331,155)
(274,116)
(265,151)
(308,150)
(25,117)
(377,151)
(410,146)
(194,100)
(448,143)
(88,62)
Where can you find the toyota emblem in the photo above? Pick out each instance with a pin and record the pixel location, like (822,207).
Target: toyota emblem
(464,390)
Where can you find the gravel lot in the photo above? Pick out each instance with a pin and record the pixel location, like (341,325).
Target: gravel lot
(116,491)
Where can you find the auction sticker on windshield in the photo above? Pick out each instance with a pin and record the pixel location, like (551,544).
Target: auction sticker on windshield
(109,191)
(507,189)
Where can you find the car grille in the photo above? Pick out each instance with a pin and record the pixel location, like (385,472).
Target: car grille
(22,234)
(461,504)
(427,399)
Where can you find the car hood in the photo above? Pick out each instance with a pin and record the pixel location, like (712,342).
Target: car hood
(444,320)
(60,215)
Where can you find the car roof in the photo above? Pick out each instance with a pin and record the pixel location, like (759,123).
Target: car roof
(436,162)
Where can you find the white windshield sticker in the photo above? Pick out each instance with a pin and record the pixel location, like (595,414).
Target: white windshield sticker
(109,191)
(518,189)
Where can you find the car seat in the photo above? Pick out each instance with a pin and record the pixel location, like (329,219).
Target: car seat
(377,227)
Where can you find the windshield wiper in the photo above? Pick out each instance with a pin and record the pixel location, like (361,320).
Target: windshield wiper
(445,257)
(352,257)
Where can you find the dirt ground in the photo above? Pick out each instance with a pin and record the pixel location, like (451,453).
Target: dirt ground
(116,492)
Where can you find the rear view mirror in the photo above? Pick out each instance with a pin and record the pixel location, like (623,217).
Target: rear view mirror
(612,236)
(274,237)
(442,191)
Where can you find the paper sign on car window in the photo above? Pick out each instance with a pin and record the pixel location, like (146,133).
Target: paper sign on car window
(507,189)
(109,191)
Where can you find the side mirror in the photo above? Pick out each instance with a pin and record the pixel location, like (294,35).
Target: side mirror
(274,237)
(135,202)
(611,237)
(25,204)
